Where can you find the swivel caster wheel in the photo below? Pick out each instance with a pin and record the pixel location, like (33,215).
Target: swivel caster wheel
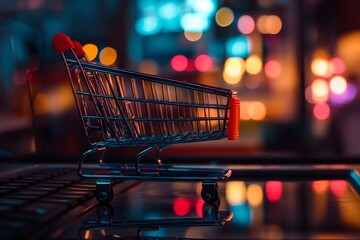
(104,191)
(209,193)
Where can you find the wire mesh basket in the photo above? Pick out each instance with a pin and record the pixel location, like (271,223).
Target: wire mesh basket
(121,108)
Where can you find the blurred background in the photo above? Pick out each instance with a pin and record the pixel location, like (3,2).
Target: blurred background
(294,65)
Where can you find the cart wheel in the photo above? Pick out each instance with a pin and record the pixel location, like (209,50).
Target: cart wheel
(210,212)
(105,213)
(209,193)
(104,193)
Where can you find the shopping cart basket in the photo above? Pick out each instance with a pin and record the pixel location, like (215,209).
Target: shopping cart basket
(124,108)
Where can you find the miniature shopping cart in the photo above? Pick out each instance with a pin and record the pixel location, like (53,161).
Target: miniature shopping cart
(121,108)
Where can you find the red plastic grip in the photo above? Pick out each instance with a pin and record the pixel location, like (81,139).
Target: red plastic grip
(79,51)
(62,42)
(234,118)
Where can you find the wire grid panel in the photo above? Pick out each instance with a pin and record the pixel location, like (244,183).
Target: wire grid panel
(134,110)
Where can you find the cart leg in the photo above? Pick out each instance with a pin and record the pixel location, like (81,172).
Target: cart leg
(209,192)
(104,191)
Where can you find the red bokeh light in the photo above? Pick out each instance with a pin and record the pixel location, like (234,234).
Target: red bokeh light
(273,190)
(181,206)
(203,63)
(179,63)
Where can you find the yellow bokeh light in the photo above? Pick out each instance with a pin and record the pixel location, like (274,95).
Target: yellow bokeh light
(108,56)
(319,90)
(253,64)
(255,195)
(320,67)
(231,79)
(234,68)
(224,17)
(257,110)
(338,84)
(273,24)
(91,51)
(192,36)
(261,24)
(235,192)
(244,110)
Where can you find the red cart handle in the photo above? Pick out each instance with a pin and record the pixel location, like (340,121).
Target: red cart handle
(234,118)
(62,42)
(79,51)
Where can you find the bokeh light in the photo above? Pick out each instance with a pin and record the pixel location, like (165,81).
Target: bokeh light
(246,24)
(320,90)
(179,63)
(338,187)
(338,84)
(224,17)
(41,103)
(320,186)
(203,63)
(192,36)
(273,24)
(238,46)
(233,70)
(91,51)
(244,110)
(273,190)
(337,66)
(257,110)
(108,56)
(320,67)
(321,111)
(269,24)
(272,69)
(181,206)
(255,195)
(253,64)
(235,192)
(347,96)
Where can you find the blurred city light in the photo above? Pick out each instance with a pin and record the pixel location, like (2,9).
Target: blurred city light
(320,67)
(235,192)
(320,90)
(203,63)
(179,63)
(224,17)
(321,111)
(269,24)
(273,190)
(320,186)
(338,187)
(233,70)
(238,46)
(147,25)
(272,69)
(257,110)
(246,24)
(255,195)
(91,51)
(345,97)
(195,22)
(338,84)
(253,64)
(337,66)
(192,36)
(199,207)
(108,56)
(181,206)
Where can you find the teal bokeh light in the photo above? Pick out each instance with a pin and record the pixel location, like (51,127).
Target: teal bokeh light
(238,47)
